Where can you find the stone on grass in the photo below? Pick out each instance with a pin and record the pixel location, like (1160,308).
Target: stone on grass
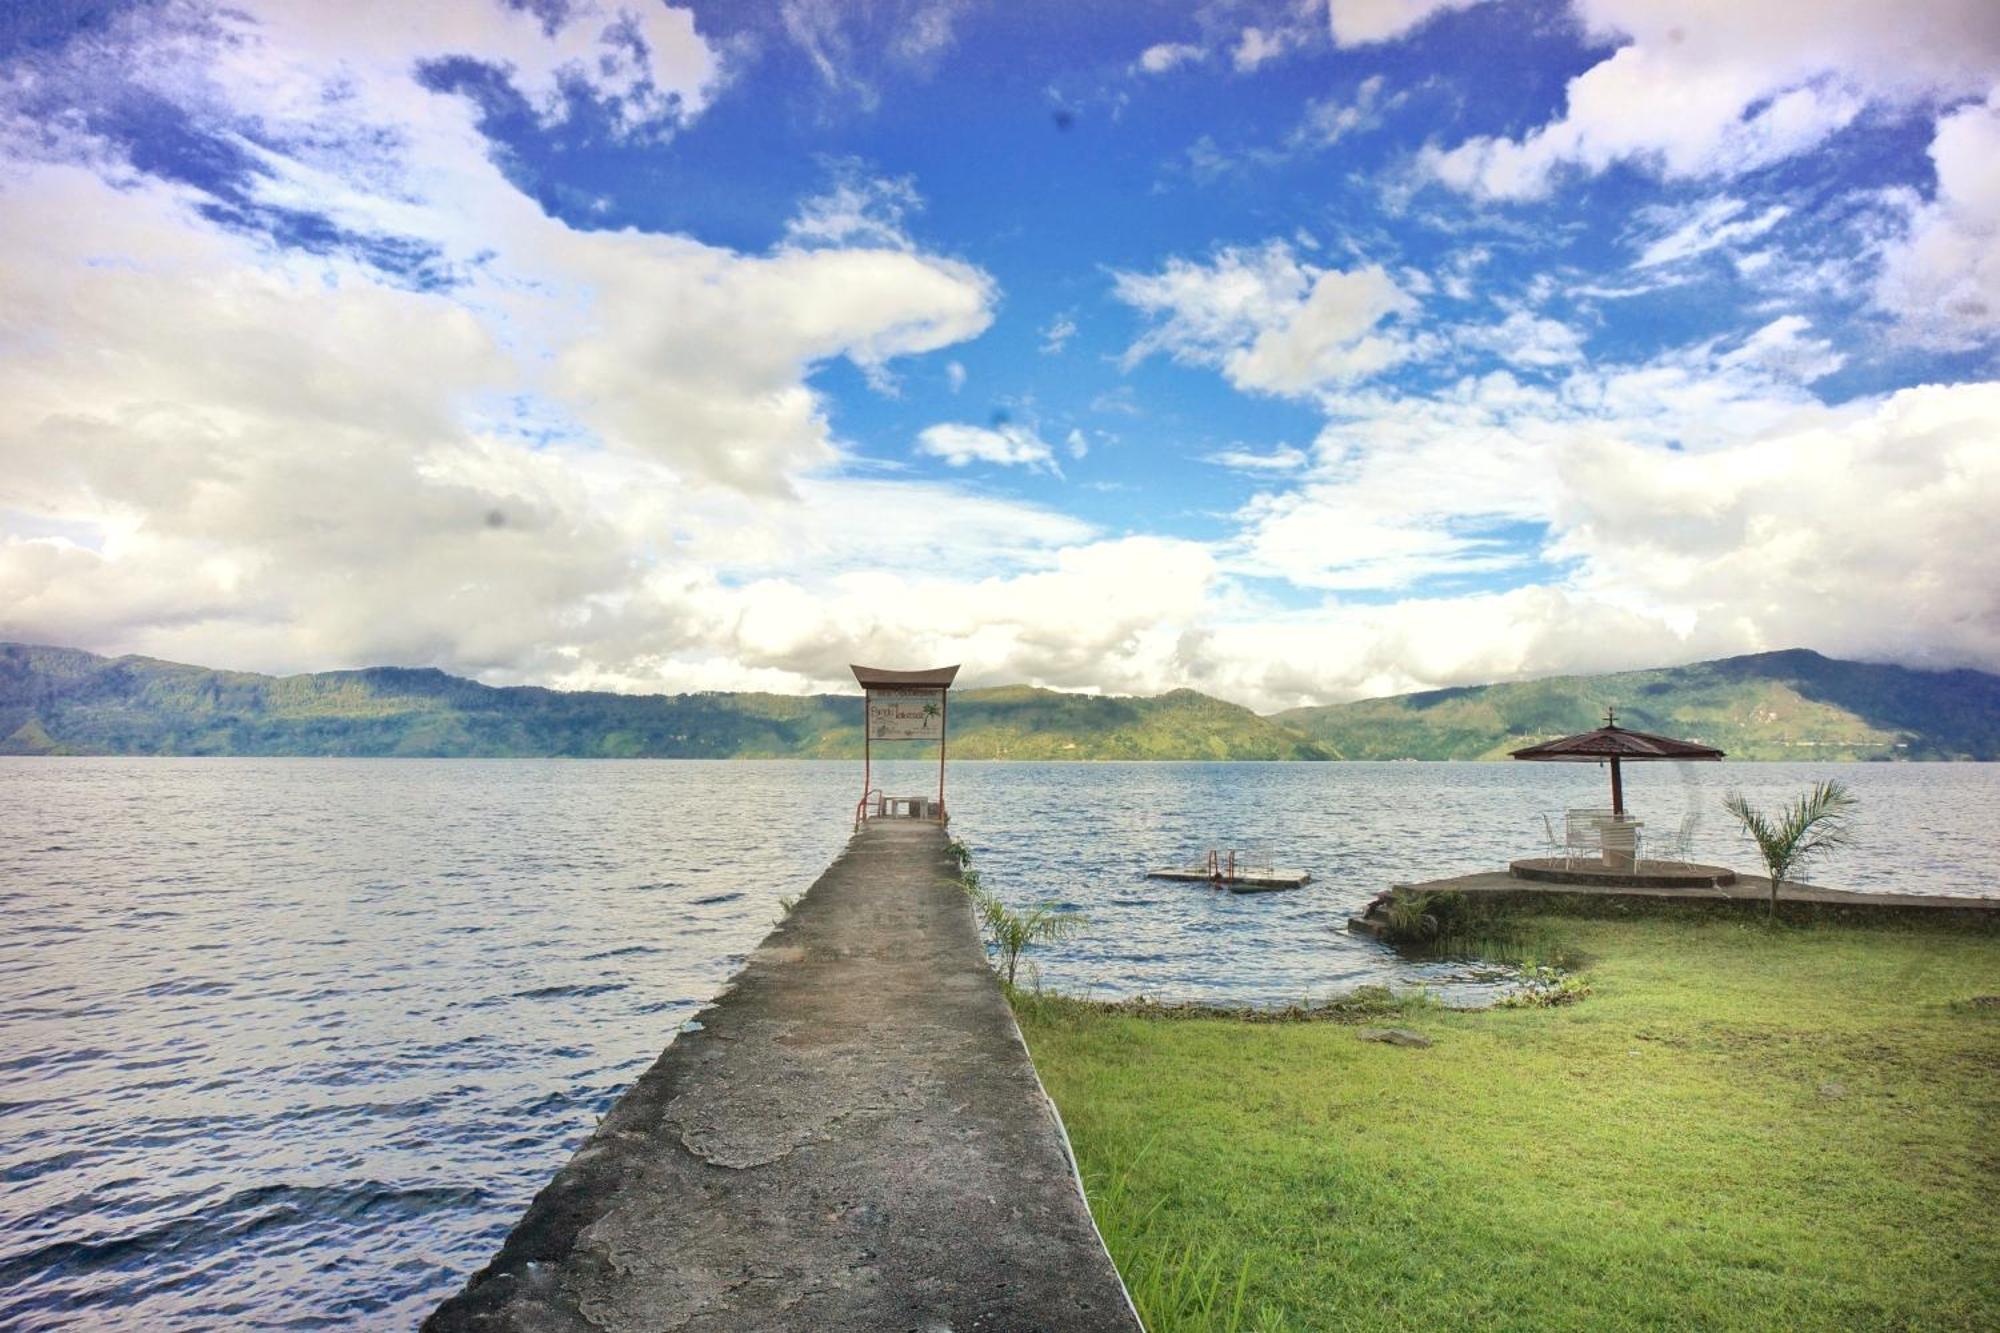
(1394,1036)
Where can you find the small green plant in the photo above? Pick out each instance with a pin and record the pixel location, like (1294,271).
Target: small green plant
(786,904)
(1413,917)
(1545,987)
(959,852)
(1011,932)
(1810,827)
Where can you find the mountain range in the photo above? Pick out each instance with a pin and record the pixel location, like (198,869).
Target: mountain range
(1794,704)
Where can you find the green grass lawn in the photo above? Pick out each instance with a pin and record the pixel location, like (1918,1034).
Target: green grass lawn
(1739,1128)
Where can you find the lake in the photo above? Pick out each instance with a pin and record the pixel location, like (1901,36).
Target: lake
(292,1042)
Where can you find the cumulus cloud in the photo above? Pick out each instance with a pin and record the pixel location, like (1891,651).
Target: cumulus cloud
(857,209)
(1362,22)
(1006,445)
(598,457)
(225,447)
(1256,45)
(1942,278)
(1524,339)
(1164,56)
(1735,88)
(1860,534)
(1271,321)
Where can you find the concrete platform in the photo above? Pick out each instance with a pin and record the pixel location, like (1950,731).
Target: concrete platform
(1748,890)
(852,1139)
(1645,875)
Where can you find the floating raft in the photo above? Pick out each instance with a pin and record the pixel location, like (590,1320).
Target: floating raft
(1245,880)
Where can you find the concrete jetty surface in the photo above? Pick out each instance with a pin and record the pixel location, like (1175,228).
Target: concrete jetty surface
(853,1138)
(1747,891)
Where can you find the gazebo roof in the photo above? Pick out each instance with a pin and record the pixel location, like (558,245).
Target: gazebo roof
(1612,741)
(877,678)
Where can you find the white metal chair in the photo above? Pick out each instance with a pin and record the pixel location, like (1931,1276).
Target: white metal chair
(1583,834)
(1556,848)
(1679,846)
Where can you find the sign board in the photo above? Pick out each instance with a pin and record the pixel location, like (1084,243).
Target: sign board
(908,714)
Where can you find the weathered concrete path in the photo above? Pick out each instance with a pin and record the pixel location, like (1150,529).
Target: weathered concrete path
(853,1139)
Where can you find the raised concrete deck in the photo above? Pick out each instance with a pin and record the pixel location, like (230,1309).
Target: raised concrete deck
(852,1139)
(1698,888)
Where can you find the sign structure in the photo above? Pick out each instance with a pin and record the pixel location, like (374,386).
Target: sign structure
(905,714)
(902,706)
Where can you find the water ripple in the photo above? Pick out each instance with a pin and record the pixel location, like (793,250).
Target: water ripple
(291,1043)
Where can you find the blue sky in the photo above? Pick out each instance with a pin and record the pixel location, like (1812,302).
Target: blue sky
(1291,351)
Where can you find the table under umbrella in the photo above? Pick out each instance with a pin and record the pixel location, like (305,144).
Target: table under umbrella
(1619,745)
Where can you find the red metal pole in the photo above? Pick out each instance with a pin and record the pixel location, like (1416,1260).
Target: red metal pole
(867,750)
(1617,791)
(944,721)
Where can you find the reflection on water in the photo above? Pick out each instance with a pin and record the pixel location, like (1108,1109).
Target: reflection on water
(295,1041)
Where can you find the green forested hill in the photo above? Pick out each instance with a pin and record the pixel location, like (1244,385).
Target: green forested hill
(1784,705)
(1788,705)
(58,700)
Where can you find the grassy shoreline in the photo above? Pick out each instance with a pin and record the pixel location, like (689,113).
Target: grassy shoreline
(1740,1127)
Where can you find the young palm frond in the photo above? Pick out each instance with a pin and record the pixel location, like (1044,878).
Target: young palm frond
(1012,931)
(1810,827)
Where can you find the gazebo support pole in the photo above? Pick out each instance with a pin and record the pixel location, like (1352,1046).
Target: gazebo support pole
(944,720)
(867,750)
(1617,791)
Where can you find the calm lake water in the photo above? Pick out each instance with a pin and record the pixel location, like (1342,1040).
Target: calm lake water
(291,1043)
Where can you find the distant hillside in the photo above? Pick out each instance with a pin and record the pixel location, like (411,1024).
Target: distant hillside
(62,701)
(1788,705)
(1784,705)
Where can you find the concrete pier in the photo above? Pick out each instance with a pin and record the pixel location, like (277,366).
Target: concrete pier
(853,1138)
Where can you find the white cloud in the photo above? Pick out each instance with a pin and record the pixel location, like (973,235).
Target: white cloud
(1256,45)
(1328,120)
(1739,87)
(645,63)
(1862,535)
(1008,445)
(248,454)
(857,209)
(1284,458)
(1942,278)
(1678,235)
(598,457)
(1057,335)
(1164,56)
(1524,339)
(1361,22)
(1270,321)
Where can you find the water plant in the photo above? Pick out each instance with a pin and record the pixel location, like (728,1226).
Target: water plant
(1810,827)
(1414,917)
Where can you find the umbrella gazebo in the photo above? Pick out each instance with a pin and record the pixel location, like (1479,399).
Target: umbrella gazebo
(1618,745)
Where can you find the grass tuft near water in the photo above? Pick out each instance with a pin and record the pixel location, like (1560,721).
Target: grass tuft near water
(1735,1128)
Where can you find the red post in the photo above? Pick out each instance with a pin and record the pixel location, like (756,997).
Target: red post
(944,727)
(867,750)
(1617,791)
